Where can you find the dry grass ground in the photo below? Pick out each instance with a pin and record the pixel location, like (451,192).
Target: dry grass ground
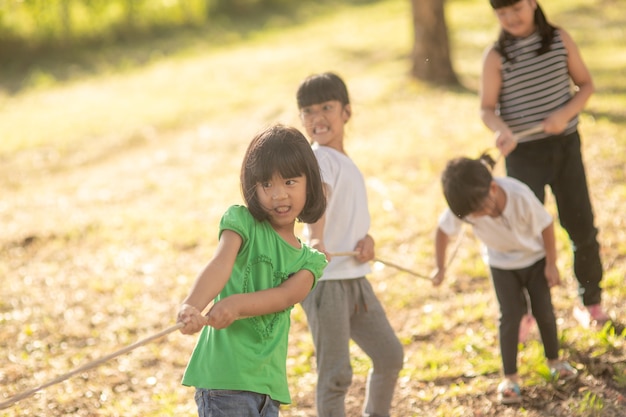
(112,188)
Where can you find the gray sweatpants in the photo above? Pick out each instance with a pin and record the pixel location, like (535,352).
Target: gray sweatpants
(340,310)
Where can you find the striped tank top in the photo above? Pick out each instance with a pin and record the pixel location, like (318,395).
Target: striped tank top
(534,86)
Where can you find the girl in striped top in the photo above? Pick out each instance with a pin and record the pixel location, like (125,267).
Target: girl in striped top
(532,76)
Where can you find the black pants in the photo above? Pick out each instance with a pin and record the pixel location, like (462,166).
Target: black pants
(557,162)
(509,286)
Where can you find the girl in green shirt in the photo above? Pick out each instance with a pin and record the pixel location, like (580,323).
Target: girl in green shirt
(260,269)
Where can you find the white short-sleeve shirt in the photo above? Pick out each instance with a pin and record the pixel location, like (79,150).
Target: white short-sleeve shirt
(513,240)
(347,213)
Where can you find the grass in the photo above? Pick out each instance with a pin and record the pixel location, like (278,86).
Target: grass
(114,179)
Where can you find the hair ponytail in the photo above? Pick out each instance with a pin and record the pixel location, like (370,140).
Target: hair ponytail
(487,160)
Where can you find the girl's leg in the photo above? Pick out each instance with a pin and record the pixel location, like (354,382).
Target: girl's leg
(541,302)
(372,332)
(508,290)
(227,403)
(328,308)
(533,164)
(576,216)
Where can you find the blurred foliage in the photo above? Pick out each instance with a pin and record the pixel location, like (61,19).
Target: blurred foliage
(68,21)
(72,21)
(63,37)
(41,24)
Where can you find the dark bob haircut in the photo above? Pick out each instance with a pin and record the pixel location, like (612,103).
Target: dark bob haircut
(319,88)
(283,150)
(466,183)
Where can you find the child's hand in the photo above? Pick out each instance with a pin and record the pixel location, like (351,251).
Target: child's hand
(552,275)
(505,142)
(193,320)
(555,123)
(223,313)
(365,249)
(438,277)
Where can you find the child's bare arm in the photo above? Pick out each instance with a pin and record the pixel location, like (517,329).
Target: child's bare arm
(209,283)
(551,271)
(268,301)
(556,122)
(441,244)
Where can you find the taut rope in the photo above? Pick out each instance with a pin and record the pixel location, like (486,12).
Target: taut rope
(88,366)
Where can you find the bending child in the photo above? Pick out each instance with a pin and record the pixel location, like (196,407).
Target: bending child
(259,271)
(518,234)
(343,306)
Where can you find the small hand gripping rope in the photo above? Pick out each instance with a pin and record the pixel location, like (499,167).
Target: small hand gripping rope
(88,366)
(531,131)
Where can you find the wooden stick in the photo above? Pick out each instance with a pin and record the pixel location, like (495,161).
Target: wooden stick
(528,132)
(387,263)
(400,268)
(459,239)
(88,366)
(516,137)
(349,253)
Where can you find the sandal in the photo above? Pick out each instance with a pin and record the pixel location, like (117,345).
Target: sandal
(563,371)
(509,392)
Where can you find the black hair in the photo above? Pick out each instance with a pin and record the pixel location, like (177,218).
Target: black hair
(283,150)
(466,183)
(545,29)
(320,88)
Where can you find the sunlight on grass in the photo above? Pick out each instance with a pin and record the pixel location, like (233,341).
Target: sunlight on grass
(606,341)
(532,364)
(590,406)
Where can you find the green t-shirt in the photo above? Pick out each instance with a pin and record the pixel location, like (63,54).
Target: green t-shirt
(251,354)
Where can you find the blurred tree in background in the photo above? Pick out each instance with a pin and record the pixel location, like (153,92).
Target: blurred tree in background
(431,47)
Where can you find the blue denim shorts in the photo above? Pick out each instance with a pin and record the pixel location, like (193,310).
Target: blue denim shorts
(228,403)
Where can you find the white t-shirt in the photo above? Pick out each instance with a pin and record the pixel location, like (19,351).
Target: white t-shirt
(347,213)
(513,240)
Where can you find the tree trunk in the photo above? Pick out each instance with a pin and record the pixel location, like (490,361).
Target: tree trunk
(431,49)
(66,22)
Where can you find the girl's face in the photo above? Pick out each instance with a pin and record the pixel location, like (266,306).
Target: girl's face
(518,19)
(492,205)
(283,200)
(324,122)
(488,208)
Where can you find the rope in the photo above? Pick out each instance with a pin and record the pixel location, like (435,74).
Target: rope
(88,366)
(403,269)
(531,131)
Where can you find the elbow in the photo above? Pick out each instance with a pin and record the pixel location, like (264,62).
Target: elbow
(296,298)
(586,89)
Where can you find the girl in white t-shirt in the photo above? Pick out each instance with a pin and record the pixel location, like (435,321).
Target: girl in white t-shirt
(344,306)
(518,237)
